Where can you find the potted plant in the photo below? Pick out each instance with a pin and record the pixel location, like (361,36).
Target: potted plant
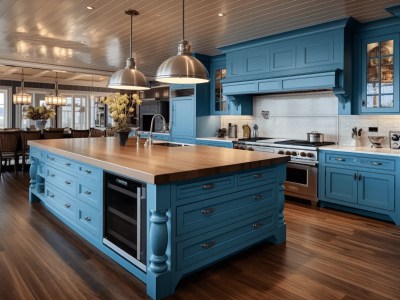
(40,115)
(121,109)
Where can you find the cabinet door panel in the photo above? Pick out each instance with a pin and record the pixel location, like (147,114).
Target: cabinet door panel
(183,118)
(283,58)
(341,185)
(376,190)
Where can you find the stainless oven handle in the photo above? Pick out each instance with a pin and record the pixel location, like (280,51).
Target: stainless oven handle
(314,164)
(138,226)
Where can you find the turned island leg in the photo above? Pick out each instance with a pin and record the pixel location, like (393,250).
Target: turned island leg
(159,242)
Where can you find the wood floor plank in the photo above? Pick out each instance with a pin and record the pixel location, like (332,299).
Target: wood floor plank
(328,255)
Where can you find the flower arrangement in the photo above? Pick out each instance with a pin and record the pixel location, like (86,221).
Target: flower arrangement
(121,109)
(39,113)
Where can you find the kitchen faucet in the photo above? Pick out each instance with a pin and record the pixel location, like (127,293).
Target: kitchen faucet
(149,141)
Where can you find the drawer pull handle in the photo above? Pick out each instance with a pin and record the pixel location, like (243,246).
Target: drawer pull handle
(207,211)
(87,219)
(355,176)
(52,175)
(66,205)
(359,177)
(87,172)
(208,186)
(340,159)
(68,164)
(52,196)
(257,225)
(257,175)
(88,193)
(208,245)
(376,163)
(67,182)
(51,158)
(257,197)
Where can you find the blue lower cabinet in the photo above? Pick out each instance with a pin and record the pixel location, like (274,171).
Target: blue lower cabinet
(367,183)
(214,143)
(90,220)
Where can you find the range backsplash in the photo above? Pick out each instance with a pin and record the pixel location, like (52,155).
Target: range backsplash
(292,116)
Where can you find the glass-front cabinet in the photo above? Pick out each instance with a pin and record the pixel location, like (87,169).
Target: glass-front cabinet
(380,87)
(219,104)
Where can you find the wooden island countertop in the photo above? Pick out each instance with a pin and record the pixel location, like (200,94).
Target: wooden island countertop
(158,164)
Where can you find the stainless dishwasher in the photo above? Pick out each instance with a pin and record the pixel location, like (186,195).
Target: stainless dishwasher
(125,218)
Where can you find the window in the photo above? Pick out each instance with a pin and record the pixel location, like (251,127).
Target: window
(66,114)
(80,112)
(3,99)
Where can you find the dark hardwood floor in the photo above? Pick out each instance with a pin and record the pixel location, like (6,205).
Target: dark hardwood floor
(328,255)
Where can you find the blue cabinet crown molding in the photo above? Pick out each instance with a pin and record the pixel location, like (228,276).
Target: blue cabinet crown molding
(394,10)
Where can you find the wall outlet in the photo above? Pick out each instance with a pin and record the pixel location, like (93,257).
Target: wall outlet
(372,129)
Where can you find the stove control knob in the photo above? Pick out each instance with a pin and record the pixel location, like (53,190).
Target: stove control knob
(293,153)
(302,154)
(243,148)
(287,152)
(236,147)
(395,137)
(309,154)
(250,149)
(281,152)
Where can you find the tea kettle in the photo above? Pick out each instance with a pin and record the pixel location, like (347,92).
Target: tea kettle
(246,131)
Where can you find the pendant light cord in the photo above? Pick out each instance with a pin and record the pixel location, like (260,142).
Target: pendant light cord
(22,81)
(130,49)
(183,20)
(56,87)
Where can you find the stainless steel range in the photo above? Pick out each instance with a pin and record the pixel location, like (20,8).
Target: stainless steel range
(301,171)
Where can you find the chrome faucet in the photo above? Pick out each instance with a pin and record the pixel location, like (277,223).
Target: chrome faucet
(149,141)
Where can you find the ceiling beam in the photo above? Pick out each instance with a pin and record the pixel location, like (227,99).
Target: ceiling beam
(73,77)
(10,71)
(40,74)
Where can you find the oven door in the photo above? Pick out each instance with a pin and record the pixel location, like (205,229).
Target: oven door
(301,180)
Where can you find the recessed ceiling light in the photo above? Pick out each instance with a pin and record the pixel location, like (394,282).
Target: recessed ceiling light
(90,7)
(220,14)
(82,42)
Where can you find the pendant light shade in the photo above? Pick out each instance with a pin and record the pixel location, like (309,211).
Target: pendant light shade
(182,68)
(57,99)
(129,78)
(22,98)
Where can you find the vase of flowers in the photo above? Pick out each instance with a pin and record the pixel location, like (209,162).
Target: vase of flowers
(40,115)
(121,108)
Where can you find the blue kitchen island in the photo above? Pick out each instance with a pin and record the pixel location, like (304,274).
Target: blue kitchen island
(197,204)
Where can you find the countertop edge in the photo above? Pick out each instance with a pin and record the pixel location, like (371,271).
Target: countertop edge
(362,150)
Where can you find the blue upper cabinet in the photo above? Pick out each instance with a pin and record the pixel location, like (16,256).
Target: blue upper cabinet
(379,75)
(220,103)
(317,57)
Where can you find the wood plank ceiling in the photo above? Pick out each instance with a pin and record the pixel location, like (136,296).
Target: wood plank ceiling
(65,33)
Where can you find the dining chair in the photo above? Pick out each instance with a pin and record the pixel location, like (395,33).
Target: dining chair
(96,132)
(75,133)
(57,133)
(8,148)
(110,131)
(25,137)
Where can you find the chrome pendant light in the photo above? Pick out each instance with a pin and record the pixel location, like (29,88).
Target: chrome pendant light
(57,99)
(182,68)
(129,78)
(22,98)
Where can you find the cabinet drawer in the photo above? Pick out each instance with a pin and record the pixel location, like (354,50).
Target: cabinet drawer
(378,163)
(214,213)
(90,173)
(161,137)
(205,188)
(64,163)
(56,200)
(63,181)
(89,220)
(90,195)
(257,177)
(219,243)
(340,159)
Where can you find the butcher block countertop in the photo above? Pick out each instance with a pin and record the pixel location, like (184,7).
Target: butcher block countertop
(158,164)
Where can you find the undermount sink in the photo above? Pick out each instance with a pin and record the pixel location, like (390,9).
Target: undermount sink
(167,144)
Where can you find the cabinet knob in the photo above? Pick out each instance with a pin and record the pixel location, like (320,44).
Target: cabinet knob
(66,205)
(52,175)
(208,245)
(257,225)
(87,172)
(87,219)
(52,196)
(68,164)
(208,186)
(359,177)
(376,163)
(257,197)
(257,175)
(67,182)
(355,176)
(88,193)
(363,103)
(207,211)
